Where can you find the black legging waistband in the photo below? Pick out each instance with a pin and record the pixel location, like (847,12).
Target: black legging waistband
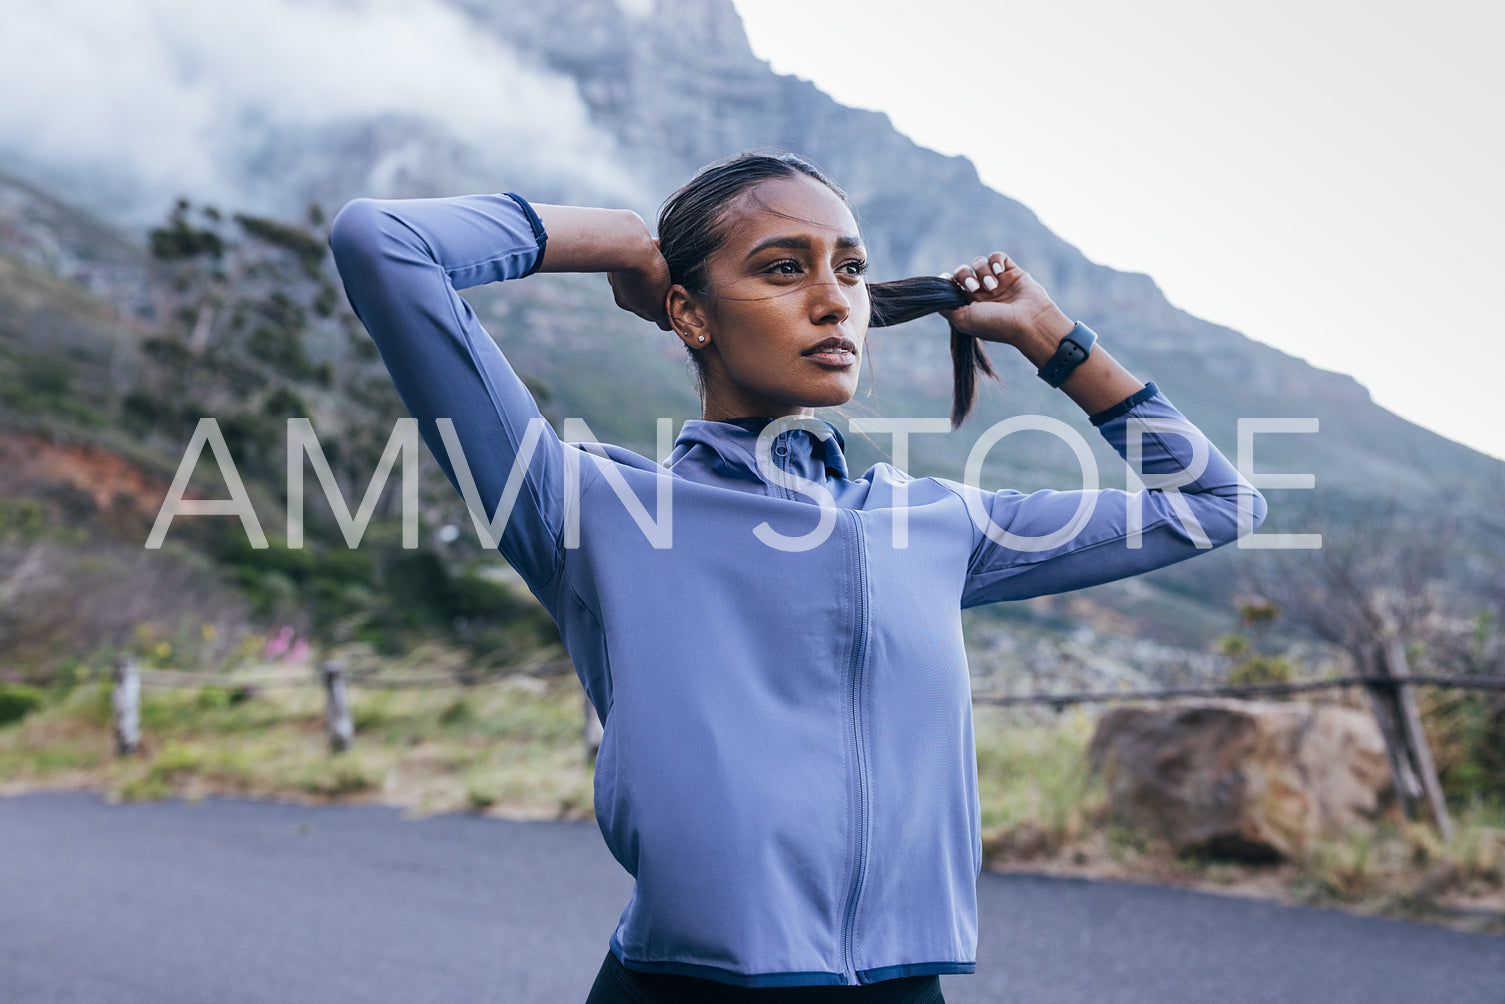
(615,984)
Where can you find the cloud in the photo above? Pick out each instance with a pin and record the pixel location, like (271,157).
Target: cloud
(131,104)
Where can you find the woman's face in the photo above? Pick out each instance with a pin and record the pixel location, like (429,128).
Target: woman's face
(787,314)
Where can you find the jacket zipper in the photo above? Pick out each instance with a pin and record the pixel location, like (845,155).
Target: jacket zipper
(782,460)
(858,574)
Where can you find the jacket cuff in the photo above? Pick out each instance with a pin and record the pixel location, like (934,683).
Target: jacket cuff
(1140,396)
(538,231)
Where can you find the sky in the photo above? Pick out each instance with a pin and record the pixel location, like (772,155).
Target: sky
(1322,175)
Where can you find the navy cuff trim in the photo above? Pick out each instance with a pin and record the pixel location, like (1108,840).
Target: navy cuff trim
(1140,396)
(539,234)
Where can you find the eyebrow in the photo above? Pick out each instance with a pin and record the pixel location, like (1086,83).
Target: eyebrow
(803,244)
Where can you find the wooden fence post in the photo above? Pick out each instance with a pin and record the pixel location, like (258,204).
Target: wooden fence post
(592,731)
(126,701)
(1393,657)
(1384,699)
(1411,763)
(337,706)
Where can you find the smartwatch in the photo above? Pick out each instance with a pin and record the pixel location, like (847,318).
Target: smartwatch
(1070,354)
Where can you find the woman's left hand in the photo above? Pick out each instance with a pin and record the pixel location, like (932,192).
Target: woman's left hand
(1008,305)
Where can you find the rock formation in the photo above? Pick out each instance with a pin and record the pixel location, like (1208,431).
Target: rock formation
(1249,779)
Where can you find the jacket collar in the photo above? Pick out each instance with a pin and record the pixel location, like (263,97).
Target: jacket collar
(815,447)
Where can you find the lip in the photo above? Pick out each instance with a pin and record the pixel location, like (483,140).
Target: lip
(833,352)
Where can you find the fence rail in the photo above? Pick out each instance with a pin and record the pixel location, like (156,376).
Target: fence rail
(362,678)
(1242,690)
(367,681)
(1391,694)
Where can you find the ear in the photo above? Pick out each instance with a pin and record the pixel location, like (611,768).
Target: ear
(688,317)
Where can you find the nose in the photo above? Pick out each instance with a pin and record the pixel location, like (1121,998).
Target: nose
(830,301)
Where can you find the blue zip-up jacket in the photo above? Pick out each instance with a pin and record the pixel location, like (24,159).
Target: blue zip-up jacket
(787,768)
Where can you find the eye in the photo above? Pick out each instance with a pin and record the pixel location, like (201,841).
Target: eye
(856,266)
(784,266)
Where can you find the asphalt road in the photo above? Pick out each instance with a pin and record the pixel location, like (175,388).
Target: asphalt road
(233,901)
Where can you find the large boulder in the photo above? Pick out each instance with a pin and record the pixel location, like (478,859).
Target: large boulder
(1251,779)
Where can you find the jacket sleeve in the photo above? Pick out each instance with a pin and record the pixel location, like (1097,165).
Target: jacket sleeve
(402,263)
(1032,544)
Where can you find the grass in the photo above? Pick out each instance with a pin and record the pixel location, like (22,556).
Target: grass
(1033,783)
(1042,811)
(1404,868)
(508,748)
(512,748)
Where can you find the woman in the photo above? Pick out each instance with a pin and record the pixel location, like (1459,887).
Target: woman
(774,648)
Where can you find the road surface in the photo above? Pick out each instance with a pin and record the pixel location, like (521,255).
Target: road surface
(236,901)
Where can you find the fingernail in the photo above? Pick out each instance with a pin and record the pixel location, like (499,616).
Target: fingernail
(971,284)
(998,268)
(989,283)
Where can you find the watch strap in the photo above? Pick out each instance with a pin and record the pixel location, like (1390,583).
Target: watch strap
(1071,353)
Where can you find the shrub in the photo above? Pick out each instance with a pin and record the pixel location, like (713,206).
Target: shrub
(1466,732)
(283,403)
(142,411)
(308,248)
(281,347)
(1262,669)
(180,240)
(17,700)
(23,519)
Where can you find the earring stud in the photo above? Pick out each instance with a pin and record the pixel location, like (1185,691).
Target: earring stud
(700,338)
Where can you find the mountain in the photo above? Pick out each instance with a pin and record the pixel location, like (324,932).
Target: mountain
(610,102)
(616,102)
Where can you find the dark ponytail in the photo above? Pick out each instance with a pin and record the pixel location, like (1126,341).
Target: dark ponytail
(906,299)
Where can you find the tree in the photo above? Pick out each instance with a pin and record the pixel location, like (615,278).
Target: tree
(1380,589)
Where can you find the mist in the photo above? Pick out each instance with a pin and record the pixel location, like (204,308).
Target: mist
(124,107)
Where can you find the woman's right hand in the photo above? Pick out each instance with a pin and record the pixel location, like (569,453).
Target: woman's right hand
(614,241)
(643,290)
